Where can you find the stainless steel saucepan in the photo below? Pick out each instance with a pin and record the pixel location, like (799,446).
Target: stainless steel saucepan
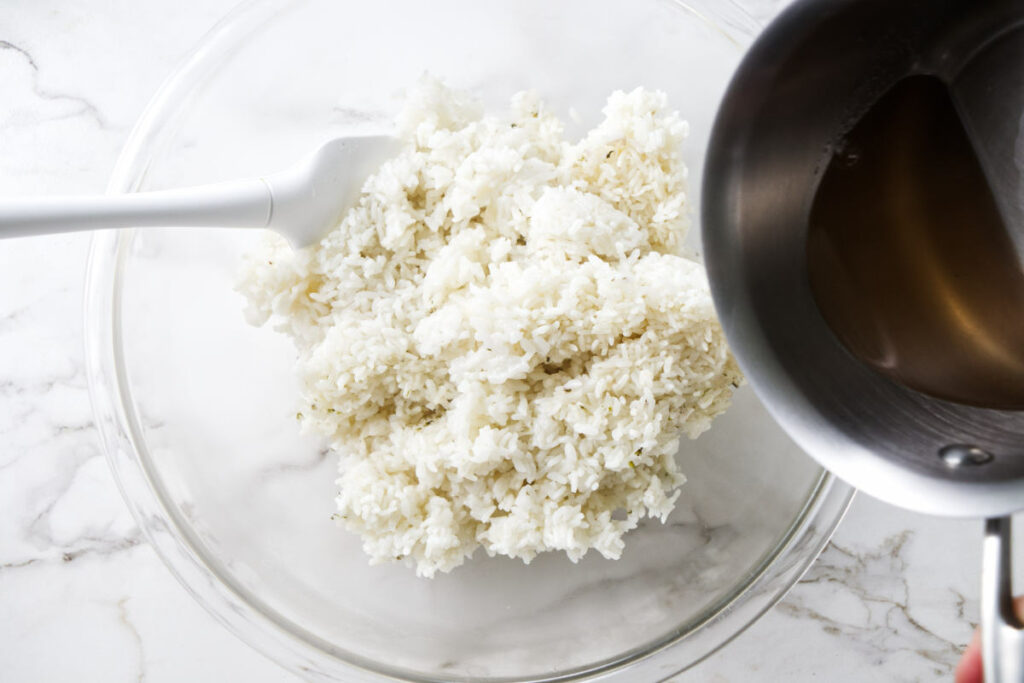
(809,77)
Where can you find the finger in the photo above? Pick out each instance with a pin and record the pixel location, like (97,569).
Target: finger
(969,670)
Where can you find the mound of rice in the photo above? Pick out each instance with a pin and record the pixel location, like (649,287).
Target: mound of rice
(503,340)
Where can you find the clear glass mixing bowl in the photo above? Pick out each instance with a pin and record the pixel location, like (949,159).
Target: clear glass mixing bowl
(197,408)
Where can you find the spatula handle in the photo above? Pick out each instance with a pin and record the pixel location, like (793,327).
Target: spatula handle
(238,204)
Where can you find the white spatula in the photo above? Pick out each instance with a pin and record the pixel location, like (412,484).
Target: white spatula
(302,203)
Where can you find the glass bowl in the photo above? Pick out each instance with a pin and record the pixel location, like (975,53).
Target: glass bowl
(197,409)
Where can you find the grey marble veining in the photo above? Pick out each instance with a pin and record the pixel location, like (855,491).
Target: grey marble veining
(83,598)
(67,105)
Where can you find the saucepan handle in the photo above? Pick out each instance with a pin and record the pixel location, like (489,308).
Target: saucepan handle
(1002,633)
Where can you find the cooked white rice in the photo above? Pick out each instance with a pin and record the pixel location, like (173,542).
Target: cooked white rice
(502,340)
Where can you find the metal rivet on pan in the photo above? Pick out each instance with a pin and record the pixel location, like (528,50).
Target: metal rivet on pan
(958,455)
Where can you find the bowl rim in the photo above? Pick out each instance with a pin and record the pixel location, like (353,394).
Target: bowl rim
(182,551)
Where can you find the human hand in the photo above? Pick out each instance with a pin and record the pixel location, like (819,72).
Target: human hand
(969,669)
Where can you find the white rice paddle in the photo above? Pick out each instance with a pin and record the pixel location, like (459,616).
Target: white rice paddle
(302,203)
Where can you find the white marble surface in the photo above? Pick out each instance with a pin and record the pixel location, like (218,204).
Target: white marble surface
(82,597)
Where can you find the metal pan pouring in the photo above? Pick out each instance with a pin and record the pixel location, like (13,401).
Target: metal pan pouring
(863,227)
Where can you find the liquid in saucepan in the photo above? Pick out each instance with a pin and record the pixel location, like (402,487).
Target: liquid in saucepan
(909,259)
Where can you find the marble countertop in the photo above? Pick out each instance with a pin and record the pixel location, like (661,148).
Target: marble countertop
(83,598)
